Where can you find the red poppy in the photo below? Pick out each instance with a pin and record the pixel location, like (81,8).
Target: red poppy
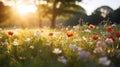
(91,26)
(50,34)
(109,29)
(10,33)
(110,36)
(95,37)
(117,34)
(69,34)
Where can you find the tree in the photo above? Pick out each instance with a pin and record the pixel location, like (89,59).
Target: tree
(61,7)
(115,16)
(100,14)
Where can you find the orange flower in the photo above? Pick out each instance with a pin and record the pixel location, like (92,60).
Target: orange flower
(110,36)
(91,26)
(117,34)
(10,33)
(50,34)
(69,34)
(109,29)
(95,37)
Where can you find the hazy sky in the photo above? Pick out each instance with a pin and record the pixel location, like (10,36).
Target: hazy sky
(91,5)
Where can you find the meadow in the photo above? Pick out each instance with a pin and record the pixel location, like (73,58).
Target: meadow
(77,46)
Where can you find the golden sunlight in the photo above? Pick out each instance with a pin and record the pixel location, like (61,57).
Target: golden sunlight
(25,9)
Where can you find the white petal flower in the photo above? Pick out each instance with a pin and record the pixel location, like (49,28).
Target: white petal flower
(37,34)
(57,51)
(15,43)
(32,47)
(27,39)
(48,44)
(84,38)
(87,30)
(104,61)
(62,59)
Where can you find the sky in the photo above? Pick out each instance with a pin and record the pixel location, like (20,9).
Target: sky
(91,5)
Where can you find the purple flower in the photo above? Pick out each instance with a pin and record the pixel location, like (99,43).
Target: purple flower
(84,54)
(104,61)
(62,59)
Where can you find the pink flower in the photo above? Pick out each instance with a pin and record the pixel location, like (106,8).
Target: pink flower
(98,50)
(100,44)
(109,41)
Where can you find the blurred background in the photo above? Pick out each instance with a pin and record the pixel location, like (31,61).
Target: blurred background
(54,13)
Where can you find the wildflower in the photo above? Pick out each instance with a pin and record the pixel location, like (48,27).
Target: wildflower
(10,33)
(100,44)
(110,36)
(104,61)
(87,30)
(15,43)
(27,39)
(73,47)
(98,50)
(48,44)
(84,38)
(117,34)
(22,58)
(37,34)
(62,59)
(69,34)
(95,37)
(57,51)
(50,34)
(109,41)
(109,29)
(32,47)
(91,26)
(83,54)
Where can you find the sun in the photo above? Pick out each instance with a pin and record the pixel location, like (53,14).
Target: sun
(25,9)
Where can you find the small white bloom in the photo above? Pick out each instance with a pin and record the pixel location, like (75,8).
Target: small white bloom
(62,59)
(57,51)
(97,27)
(15,43)
(48,44)
(104,61)
(32,47)
(84,38)
(37,34)
(87,30)
(27,39)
